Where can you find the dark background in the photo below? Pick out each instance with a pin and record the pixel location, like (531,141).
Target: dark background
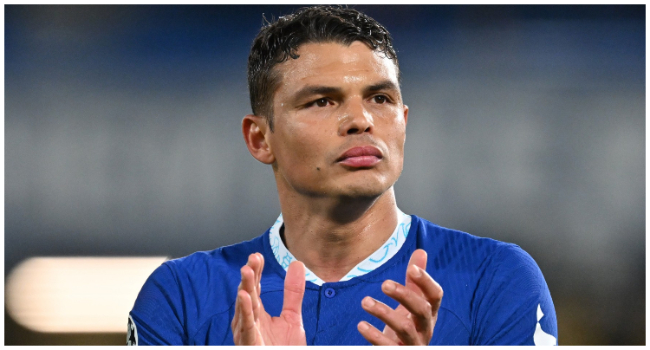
(122,137)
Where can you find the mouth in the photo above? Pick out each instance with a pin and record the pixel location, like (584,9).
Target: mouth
(360,157)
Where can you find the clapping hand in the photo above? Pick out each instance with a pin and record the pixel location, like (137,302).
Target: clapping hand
(412,322)
(252,325)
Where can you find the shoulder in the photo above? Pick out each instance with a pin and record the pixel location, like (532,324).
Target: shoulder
(212,275)
(512,294)
(453,247)
(182,294)
(221,260)
(482,255)
(492,286)
(429,231)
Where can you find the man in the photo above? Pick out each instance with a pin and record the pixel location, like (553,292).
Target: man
(342,264)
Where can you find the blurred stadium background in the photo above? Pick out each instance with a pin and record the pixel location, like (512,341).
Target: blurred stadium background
(122,139)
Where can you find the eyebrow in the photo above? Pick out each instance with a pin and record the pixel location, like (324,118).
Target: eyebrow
(310,90)
(384,85)
(315,90)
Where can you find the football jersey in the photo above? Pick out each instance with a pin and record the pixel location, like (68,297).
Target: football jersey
(494,293)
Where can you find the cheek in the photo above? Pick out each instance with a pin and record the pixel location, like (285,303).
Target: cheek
(303,146)
(397,131)
(397,139)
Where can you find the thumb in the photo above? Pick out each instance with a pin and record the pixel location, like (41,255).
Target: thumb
(294,290)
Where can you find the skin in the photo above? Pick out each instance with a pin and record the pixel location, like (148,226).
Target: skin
(333,98)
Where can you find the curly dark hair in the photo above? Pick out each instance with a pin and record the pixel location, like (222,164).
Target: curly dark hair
(280,40)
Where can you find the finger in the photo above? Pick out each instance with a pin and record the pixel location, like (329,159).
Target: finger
(431,290)
(247,279)
(236,321)
(419,259)
(414,302)
(237,316)
(255,262)
(373,335)
(247,331)
(259,273)
(234,325)
(398,322)
(248,285)
(294,290)
(245,276)
(244,286)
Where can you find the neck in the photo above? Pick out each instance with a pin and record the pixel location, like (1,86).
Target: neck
(331,236)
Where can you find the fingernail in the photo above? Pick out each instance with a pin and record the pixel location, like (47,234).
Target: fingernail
(389,286)
(415,271)
(363,326)
(368,302)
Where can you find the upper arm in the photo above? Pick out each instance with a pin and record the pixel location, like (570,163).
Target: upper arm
(157,314)
(508,300)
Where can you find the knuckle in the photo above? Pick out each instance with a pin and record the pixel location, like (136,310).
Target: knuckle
(427,308)
(292,316)
(436,291)
(403,328)
(408,331)
(246,326)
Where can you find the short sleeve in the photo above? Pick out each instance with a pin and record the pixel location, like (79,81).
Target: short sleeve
(513,304)
(157,315)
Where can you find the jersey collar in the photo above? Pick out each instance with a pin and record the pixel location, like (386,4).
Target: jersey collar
(376,259)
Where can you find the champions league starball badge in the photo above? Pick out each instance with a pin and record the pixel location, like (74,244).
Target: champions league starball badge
(131,333)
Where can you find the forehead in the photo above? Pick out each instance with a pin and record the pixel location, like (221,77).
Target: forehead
(334,63)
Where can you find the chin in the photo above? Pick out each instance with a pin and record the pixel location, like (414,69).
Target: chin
(367,183)
(367,189)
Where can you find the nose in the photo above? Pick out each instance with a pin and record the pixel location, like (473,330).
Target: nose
(355,119)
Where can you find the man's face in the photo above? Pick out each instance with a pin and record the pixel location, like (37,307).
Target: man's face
(339,122)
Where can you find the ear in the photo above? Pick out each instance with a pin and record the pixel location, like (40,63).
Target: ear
(406,114)
(254,129)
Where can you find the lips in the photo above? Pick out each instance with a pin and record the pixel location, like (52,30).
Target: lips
(360,157)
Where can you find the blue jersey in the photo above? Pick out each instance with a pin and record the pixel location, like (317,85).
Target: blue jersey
(494,293)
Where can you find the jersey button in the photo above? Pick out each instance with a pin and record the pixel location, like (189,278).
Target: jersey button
(330,292)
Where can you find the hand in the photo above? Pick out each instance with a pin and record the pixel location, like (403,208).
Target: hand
(252,325)
(412,322)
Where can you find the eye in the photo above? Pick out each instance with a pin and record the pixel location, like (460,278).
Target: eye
(321,102)
(380,99)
